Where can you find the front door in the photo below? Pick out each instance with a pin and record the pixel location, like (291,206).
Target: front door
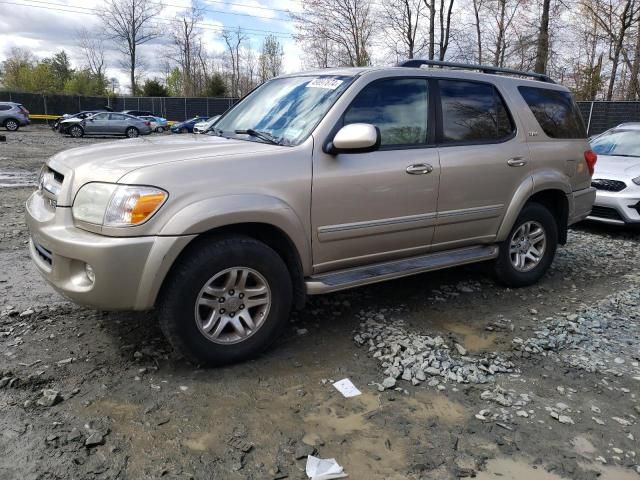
(376,206)
(483,160)
(97,124)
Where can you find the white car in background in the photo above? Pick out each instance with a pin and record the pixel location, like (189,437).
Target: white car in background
(617,175)
(203,127)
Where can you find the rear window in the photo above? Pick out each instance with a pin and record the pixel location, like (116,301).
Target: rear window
(473,112)
(555,111)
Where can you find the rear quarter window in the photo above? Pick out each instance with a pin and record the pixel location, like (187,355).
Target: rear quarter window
(5,107)
(555,111)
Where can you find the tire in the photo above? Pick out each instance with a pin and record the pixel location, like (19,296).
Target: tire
(76,131)
(211,262)
(160,129)
(132,132)
(184,130)
(524,271)
(11,125)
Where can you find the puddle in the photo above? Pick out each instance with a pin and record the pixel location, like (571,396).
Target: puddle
(14,177)
(509,469)
(472,340)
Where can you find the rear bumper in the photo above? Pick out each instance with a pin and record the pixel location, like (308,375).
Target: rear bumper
(580,204)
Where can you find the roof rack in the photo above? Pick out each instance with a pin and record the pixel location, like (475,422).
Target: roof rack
(416,63)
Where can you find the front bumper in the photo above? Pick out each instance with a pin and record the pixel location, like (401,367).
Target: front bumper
(128,270)
(617,208)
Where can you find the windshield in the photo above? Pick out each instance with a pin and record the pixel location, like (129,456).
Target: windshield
(286,109)
(625,143)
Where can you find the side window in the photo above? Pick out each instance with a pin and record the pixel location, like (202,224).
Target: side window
(4,107)
(555,111)
(473,112)
(397,106)
(101,116)
(116,116)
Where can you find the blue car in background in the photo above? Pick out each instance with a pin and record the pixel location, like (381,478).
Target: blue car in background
(187,125)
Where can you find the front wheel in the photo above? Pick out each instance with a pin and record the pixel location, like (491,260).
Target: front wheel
(76,131)
(131,132)
(527,253)
(226,300)
(160,129)
(184,130)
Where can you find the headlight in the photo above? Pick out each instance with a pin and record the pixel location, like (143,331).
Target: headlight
(636,180)
(114,205)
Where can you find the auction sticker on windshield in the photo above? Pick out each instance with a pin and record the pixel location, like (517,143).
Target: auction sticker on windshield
(328,83)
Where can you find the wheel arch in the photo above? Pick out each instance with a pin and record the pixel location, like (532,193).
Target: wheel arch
(552,194)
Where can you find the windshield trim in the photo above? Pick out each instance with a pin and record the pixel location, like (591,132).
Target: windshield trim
(348,83)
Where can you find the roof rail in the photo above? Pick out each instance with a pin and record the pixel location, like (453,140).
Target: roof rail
(416,63)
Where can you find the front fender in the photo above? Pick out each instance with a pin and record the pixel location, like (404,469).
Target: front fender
(223,211)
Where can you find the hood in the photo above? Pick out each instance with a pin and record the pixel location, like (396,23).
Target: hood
(617,167)
(110,161)
(72,120)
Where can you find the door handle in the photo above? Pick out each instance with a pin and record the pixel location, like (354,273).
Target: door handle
(419,169)
(516,162)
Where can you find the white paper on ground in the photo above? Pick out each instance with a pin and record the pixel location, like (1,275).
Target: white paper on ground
(347,388)
(323,469)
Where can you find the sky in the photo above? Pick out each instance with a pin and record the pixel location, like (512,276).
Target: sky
(47,26)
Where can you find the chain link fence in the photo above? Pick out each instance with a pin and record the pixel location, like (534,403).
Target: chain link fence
(598,116)
(172,108)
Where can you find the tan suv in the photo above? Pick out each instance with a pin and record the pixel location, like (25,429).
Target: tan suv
(315,182)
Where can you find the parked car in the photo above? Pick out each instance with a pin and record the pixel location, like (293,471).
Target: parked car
(203,127)
(106,123)
(81,115)
(13,116)
(413,170)
(158,124)
(138,113)
(617,175)
(187,125)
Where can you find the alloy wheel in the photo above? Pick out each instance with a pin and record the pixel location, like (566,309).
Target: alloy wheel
(527,246)
(232,305)
(11,125)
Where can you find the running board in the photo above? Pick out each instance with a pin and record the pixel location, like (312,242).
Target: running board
(355,277)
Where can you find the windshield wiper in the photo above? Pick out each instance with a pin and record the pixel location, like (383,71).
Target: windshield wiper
(267,137)
(216,131)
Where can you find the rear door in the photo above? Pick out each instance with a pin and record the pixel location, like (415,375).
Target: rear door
(117,123)
(483,160)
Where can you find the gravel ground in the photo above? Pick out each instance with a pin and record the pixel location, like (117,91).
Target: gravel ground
(459,376)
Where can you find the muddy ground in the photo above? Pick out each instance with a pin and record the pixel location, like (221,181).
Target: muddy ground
(118,404)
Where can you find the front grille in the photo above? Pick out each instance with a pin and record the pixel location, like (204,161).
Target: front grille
(608,185)
(606,212)
(44,254)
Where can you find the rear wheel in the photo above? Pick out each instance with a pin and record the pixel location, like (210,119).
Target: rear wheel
(160,129)
(11,125)
(132,132)
(527,253)
(226,301)
(76,131)
(184,130)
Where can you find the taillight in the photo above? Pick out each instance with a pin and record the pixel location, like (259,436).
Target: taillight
(147,123)
(591,158)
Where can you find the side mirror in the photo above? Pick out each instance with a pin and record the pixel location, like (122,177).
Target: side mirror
(354,138)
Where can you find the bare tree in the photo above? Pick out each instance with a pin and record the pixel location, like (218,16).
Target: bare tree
(616,17)
(542,52)
(477,8)
(92,47)
(345,25)
(187,46)
(445,26)
(270,60)
(234,40)
(401,20)
(129,24)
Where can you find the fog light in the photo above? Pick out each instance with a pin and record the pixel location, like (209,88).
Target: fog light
(91,275)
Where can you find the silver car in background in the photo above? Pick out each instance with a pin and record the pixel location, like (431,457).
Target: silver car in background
(203,127)
(13,116)
(106,123)
(617,175)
